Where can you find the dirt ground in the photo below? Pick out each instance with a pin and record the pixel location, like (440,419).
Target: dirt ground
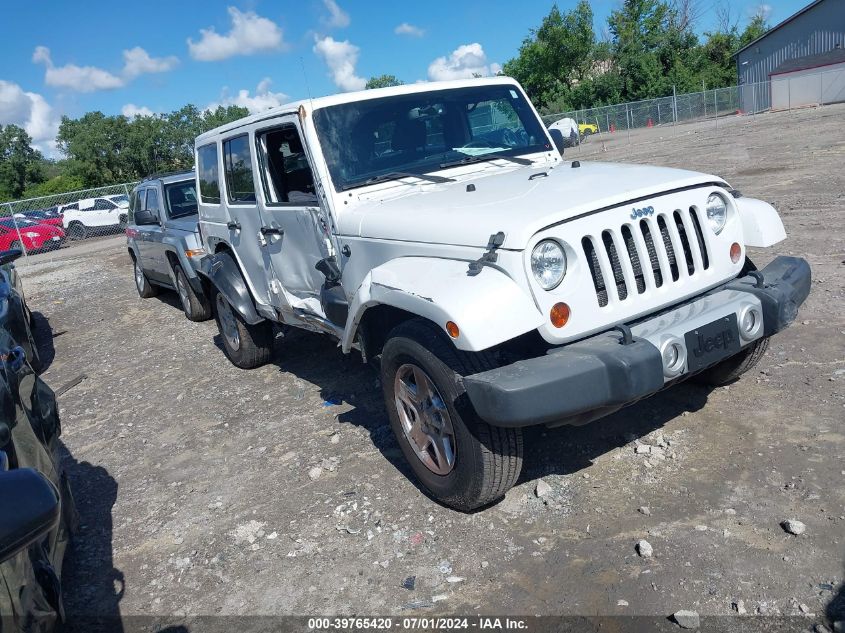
(192,477)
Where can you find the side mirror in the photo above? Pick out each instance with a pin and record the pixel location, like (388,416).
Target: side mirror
(36,509)
(559,141)
(7,257)
(145,217)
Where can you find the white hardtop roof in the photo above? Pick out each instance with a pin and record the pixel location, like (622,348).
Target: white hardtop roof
(348,97)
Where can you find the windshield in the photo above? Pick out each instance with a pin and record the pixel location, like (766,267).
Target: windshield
(181,199)
(419,133)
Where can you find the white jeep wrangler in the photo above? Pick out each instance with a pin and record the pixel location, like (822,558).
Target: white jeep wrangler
(436,227)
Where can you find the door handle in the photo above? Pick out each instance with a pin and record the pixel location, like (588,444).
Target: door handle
(233,226)
(272,230)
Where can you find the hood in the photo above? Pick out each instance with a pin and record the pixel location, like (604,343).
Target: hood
(185,223)
(520,202)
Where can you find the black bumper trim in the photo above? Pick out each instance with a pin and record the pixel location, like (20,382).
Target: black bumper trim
(580,382)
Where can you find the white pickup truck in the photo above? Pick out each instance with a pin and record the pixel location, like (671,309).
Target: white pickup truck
(437,227)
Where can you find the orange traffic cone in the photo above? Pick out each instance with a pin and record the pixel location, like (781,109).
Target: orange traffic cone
(612,128)
(650,123)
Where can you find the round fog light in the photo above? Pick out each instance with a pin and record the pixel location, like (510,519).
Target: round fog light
(674,357)
(750,322)
(736,252)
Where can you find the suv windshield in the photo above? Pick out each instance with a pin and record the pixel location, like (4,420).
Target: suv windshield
(422,132)
(181,199)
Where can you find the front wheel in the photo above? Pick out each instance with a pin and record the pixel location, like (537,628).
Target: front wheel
(77,231)
(196,308)
(461,460)
(247,346)
(730,369)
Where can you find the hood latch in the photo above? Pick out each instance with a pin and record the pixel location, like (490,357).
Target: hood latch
(489,257)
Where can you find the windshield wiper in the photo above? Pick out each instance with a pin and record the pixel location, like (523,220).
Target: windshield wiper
(395,175)
(485,157)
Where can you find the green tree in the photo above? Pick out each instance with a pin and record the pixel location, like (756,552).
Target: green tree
(556,56)
(383,81)
(20,165)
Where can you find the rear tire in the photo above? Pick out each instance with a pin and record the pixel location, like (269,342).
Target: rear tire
(246,346)
(731,369)
(196,308)
(142,284)
(429,411)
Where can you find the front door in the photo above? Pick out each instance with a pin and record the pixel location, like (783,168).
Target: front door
(298,230)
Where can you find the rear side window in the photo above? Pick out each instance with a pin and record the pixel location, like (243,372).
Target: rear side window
(208,173)
(238,164)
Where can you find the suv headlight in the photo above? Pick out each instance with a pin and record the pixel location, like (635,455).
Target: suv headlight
(717,212)
(548,263)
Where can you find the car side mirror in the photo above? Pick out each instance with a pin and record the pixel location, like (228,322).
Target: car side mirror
(36,509)
(559,141)
(7,257)
(145,217)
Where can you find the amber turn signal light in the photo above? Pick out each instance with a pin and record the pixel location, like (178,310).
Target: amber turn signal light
(452,329)
(736,251)
(559,314)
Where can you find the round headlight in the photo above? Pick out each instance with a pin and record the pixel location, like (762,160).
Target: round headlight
(548,263)
(717,212)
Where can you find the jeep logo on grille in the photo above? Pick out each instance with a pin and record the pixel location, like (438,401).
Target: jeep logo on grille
(641,213)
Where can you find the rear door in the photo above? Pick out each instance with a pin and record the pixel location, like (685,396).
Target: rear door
(300,232)
(245,221)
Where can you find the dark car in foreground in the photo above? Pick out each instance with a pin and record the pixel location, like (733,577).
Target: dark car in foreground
(15,317)
(37,514)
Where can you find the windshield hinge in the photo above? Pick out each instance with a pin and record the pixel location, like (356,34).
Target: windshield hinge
(489,257)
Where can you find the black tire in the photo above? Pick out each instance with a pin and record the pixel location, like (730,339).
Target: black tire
(15,245)
(730,370)
(77,231)
(142,284)
(254,345)
(123,222)
(196,308)
(487,459)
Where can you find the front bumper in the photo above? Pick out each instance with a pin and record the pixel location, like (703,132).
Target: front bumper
(583,381)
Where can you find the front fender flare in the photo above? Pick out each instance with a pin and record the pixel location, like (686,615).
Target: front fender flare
(761,224)
(489,308)
(223,273)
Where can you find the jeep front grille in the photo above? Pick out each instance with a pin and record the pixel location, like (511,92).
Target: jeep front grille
(626,261)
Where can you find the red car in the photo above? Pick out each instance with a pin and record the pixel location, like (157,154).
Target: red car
(35,237)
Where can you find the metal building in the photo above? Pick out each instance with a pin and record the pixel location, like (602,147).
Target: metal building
(817,28)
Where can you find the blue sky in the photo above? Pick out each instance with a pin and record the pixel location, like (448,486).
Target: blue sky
(66,58)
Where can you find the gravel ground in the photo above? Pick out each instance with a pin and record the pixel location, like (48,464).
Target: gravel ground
(208,490)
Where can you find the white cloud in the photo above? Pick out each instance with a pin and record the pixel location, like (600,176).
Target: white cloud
(409,29)
(338,18)
(31,112)
(464,62)
(250,34)
(130,111)
(263,99)
(137,61)
(79,78)
(341,58)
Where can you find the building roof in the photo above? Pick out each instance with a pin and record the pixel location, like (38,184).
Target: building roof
(777,26)
(836,56)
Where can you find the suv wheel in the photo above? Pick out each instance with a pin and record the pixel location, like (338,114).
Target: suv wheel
(247,346)
(729,370)
(77,231)
(145,288)
(196,308)
(460,459)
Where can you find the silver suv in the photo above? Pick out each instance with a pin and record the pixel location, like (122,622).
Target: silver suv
(163,240)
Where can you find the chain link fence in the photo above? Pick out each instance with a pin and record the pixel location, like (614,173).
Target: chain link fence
(60,221)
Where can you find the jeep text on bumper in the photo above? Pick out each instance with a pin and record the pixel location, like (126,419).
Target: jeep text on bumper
(580,382)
